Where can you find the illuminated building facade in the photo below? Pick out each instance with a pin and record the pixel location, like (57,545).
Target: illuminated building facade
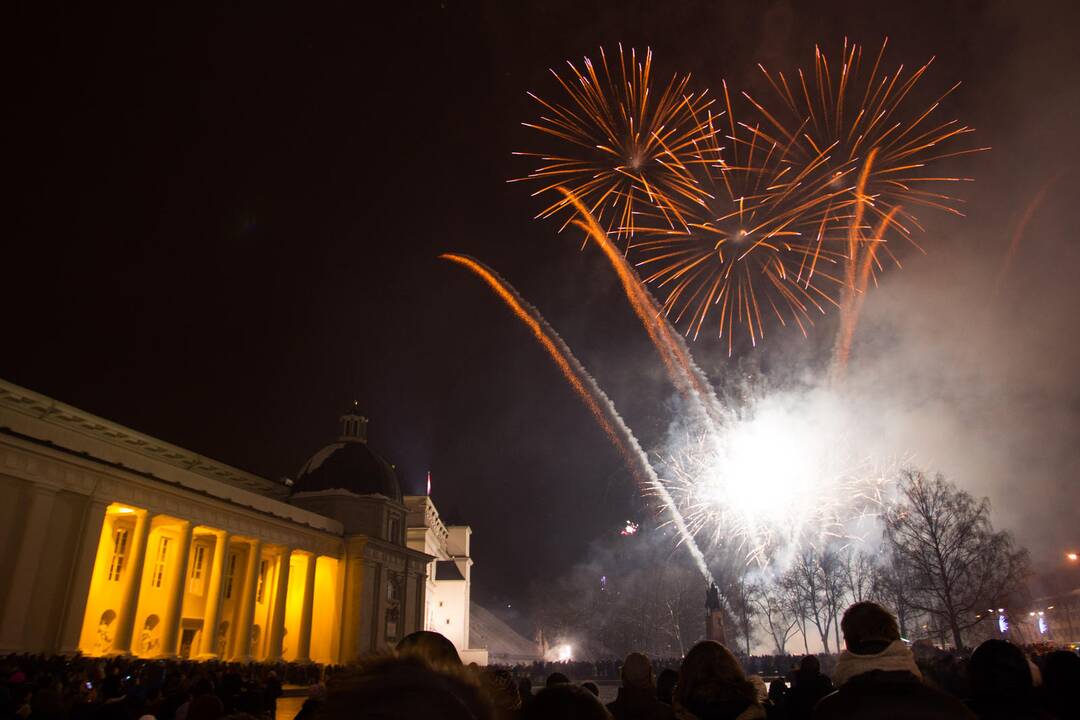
(115,542)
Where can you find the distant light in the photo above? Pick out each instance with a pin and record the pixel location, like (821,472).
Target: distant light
(124,510)
(1072,556)
(1042,624)
(630,529)
(566,653)
(1001,609)
(1003,624)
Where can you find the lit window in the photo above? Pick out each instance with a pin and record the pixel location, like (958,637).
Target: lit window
(159,561)
(116,565)
(230,572)
(264,568)
(196,585)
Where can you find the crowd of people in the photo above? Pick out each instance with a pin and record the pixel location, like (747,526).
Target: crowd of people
(876,676)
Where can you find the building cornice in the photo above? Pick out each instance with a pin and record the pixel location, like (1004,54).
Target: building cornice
(46,409)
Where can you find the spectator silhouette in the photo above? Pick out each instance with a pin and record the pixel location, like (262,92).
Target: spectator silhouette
(431,646)
(777,707)
(877,675)
(807,688)
(314,702)
(556,678)
(665,685)
(1061,683)
(406,686)
(563,701)
(637,696)
(525,690)
(1001,683)
(502,690)
(712,686)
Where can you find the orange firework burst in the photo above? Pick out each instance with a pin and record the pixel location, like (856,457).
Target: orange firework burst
(844,111)
(758,245)
(620,145)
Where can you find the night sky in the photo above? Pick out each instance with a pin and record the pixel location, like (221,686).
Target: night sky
(225,225)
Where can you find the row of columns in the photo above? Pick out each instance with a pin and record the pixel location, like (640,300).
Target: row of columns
(38,511)
(245,616)
(27,563)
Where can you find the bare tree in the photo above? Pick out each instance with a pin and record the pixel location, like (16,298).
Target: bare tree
(859,570)
(740,602)
(890,581)
(805,582)
(795,601)
(775,613)
(955,564)
(830,572)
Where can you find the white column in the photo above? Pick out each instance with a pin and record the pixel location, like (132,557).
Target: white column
(303,640)
(177,586)
(277,623)
(246,616)
(212,616)
(27,561)
(125,620)
(82,574)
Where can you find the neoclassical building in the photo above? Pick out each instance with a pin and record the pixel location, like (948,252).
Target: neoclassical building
(115,542)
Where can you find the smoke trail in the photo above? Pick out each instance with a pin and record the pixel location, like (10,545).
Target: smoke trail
(851,308)
(684,373)
(595,399)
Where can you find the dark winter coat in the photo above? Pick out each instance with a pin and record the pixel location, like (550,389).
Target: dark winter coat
(890,695)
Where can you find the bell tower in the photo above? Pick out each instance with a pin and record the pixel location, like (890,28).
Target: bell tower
(353,425)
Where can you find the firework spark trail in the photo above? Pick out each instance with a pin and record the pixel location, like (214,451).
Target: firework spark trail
(684,373)
(1014,242)
(589,391)
(856,296)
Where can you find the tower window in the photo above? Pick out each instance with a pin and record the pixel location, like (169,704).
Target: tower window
(119,554)
(196,584)
(159,561)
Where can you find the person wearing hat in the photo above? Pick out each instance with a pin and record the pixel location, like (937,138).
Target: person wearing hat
(877,676)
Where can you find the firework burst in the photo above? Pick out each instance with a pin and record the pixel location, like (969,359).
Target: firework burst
(844,110)
(620,144)
(759,246)
(742,488)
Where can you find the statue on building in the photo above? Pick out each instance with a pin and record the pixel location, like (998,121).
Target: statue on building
(714,615)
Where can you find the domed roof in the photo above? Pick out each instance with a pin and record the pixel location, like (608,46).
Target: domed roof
(349,464)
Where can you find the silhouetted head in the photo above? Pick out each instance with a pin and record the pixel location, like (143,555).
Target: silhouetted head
(868,628)
(565,702)
(431,646)
(665,684)
(502,689)
(556,678)
(405,687)
(1061,681)
(711,677)
(591,687)
(810,665)
(998,667)
(637,672)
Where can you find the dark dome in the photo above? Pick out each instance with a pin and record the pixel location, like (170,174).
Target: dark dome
(349,465)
